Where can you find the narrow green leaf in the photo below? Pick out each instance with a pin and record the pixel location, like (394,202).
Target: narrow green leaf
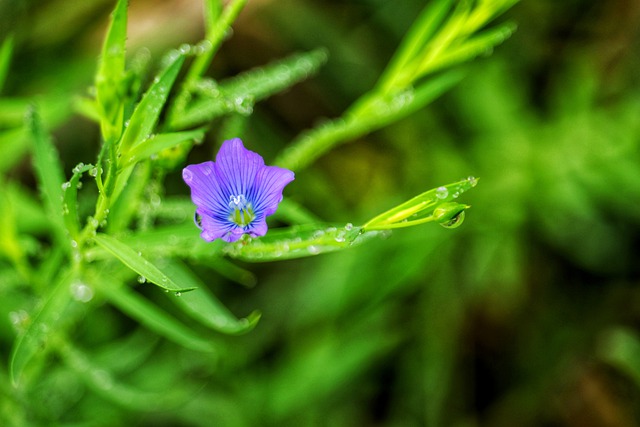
(145,116)
(156,143)
(48,173)
(136,262)
(214,37)
(368,115)
(153,317)
(39,329)
(424,27)
(241,92)
(297,242)
(182,240)
(204,307)
(478,45)
(70,201)
(6,50)
(110,90)
(422,208)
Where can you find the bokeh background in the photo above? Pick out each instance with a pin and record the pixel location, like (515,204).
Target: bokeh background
(527,314)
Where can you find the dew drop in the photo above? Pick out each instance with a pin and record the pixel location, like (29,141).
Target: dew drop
(78,168)
(81,292)
(93,222)
(348,227)
(66,185)
(442,192)
(473,181)
(178,294)
(142,279)
(93,171)
(313,250)
(454,222)
(74,244)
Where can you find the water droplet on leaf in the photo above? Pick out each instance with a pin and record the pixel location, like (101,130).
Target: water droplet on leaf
(442,192)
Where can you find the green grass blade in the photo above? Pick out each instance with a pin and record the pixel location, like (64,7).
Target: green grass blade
(418,35)
(145,116)
(478,45)
(70,201)
(43,323)
(49,174)
(204,307)
(156,143)
(136,262)
(180,240)
(153,317)
(240,93)
(214,38)
(110,86)
(365,117)
(6,51)
(421,206)
(297,242)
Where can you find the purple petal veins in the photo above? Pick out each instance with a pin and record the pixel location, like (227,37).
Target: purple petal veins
(235,194)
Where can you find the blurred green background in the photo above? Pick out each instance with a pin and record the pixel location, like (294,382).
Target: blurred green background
(527,314)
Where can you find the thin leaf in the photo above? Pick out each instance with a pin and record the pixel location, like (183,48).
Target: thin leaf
(70,201)
(110,91)
(373,113)
(157,143)
(204,307)
(240,93)
(422,206)
(153,317)
(49,174)
(136,262)
(297,242)
(146,114)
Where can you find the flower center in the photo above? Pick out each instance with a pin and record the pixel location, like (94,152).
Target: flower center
(241,211)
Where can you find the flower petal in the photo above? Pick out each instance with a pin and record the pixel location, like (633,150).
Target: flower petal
(268,187)
(236,167)
(206,192)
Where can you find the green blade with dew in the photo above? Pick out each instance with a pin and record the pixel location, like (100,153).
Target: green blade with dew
(70,201)
(297,242)
(156,143)
(180,241)
(480,44)
(204,307)
(110,87)
(146,114)
(150,315)
(44,323)
(367,115)
(136,262)
(421,208)
(49,174)
(240,93)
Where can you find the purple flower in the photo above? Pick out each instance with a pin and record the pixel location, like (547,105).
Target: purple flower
(236,193)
